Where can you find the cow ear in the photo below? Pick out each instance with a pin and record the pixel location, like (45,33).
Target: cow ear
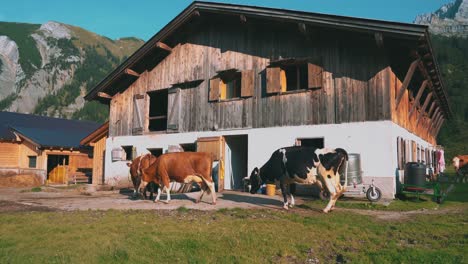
(129,164)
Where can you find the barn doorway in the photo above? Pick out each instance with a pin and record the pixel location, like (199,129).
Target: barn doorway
(236,158)
(57,168)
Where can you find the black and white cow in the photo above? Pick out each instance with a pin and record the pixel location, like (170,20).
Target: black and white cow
(300,164)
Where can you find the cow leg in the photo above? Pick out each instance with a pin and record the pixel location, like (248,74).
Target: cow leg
(168,193)
(292,190)
(158,195)
(284,190)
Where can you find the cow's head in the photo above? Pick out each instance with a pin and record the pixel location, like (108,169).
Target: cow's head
(456,162)
(255,180)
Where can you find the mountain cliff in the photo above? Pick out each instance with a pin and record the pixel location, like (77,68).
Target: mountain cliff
(449,20)
(47,69)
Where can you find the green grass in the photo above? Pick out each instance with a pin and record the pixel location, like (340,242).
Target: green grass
(229,236)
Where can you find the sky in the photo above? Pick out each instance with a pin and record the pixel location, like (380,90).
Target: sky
(144,18)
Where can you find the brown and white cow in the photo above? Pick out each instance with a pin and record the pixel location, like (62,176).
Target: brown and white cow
(460,163)
(136,167)
(182,167)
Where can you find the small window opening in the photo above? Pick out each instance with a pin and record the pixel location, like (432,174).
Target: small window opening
(32,161)
(296,77)
(189,147)
(130,152)
(158,110)
(311,142)
(231,85)
(156,151)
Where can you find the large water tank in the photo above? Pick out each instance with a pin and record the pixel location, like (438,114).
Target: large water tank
(415,173)
(354,170)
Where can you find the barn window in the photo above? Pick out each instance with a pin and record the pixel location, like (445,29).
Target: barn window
(32,161)
(130,152)
(293,75)
(189,147)
(158,110)
(311,142)
(156,151)
(231,84)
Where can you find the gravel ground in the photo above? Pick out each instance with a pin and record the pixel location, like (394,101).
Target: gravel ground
(51,198)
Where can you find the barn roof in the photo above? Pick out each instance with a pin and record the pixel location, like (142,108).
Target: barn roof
(120,79)
(44,132)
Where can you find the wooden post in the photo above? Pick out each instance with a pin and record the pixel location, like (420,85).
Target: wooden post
(423,109)
(404,85)
(432,119)
(418,97)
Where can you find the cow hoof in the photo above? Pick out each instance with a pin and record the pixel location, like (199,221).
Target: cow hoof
(291,205)
(213,203)
(197,201)
(325,211)
(286,207)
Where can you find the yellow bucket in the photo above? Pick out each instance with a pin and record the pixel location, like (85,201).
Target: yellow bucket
(270,189)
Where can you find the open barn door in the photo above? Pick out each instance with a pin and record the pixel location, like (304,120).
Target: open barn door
(215,146)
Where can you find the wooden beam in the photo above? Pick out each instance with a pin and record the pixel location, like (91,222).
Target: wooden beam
(379,39)
(132,72)
(404,85)
(423,109)
(435,120)
(432,119)
(439,127)
(418,97)
(243,19)
(163,46)
(436,124)
(431,108)
(104,95)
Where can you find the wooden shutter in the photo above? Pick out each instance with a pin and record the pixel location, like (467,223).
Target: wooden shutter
(214,89)
(247,83)
(138,107)
(273,77)
(314,75)
(173,105)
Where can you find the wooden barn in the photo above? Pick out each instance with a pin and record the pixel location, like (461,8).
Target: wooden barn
(46,147)
(243,81)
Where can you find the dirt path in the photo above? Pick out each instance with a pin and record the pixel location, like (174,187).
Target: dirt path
(53,199)
(80,200)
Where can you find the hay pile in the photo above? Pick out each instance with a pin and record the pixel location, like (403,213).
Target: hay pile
(22,180)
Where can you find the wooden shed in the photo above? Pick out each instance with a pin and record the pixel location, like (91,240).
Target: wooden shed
(97,140)
(261,78)
(48,148)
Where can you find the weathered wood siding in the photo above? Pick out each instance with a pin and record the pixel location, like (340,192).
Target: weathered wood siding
(400,114)
(355,80)
(9,155)
(99,149)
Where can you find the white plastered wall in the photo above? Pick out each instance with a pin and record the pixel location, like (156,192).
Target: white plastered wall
(374,141)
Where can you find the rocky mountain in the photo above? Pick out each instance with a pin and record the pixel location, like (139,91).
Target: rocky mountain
(449,20)
(47,69)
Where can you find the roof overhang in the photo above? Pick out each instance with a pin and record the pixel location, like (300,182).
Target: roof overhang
(102,131)
(389,29)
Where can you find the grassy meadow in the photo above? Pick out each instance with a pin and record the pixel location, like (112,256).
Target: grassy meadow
(302,235)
